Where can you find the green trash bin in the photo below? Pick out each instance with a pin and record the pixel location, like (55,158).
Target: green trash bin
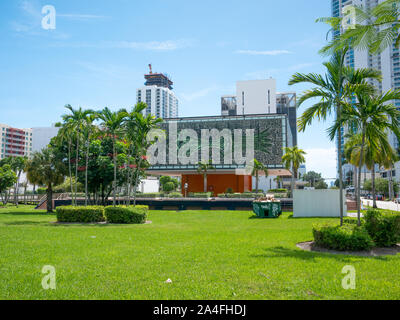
(267,209)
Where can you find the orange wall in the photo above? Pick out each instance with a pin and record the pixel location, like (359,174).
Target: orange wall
(217,183)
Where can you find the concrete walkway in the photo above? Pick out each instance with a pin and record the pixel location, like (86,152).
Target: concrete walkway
(383,205)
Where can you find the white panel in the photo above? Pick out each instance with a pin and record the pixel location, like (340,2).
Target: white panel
(318,203)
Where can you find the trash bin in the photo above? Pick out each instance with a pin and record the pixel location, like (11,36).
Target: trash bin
(267,209)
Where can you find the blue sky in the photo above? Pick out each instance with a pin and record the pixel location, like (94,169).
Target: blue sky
(100,50)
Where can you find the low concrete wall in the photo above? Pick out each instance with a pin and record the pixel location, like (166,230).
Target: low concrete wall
(318,203)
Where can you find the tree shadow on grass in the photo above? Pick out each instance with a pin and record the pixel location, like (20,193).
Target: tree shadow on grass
(282,252)
(28,213)
(27,223)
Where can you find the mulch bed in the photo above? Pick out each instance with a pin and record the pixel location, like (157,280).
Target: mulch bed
(375,252)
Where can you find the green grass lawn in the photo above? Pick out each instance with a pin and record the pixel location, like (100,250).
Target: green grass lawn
(207,255)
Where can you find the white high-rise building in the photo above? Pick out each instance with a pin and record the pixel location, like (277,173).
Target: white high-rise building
(158,95)
(388,62)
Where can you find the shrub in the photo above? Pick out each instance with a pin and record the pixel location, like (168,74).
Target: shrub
(80,214)
(1,204)
(384,228)
(175,195)
(349,237)
(229,190)
(200,194)
(122,214)
(278,191)
(221,195)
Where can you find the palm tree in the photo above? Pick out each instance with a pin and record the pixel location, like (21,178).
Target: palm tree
(333,89)
(113,124)
(77,122)
(372,115)
(278,180)
(257,167)
(203,168)
(375,29)
(18,166)
(144,124)
(292,159)
(66,134)
(131,132)
(46,169)
(88,131)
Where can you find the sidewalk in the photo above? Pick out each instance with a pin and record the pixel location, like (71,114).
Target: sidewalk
(383,205)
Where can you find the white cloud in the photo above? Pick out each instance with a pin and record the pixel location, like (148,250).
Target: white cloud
(322,161)
(263,53)
(198,94)
(263,74)
(81,16)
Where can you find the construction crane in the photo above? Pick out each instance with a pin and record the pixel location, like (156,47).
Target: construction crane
(151,70)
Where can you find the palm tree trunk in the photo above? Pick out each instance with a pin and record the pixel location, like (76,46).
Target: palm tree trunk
(49,199)
(16,189)
(292,184)
(340,164)
(76,168)
(359,179)
(70,171)
(136,182)
(205,182)
(86,173)
(257,181)
(391,183)
(115,175)
(373,187)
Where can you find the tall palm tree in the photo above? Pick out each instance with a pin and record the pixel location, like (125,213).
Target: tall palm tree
(257,168)
(113,124)
(203,168)
(18,166)
(46,169)
(292,159)
(132,126)
(66,135)
(333,89)
(144,124)
(372,115)
(88,131)
(77,122)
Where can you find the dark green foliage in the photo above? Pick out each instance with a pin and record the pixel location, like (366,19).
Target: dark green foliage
(350,237)
(200,195)
(384,228)
(175,195)
(278,191)
(80,214)
(126,215)
(229,190)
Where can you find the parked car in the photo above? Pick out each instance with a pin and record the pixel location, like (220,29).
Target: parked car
(397,200)
(379,197)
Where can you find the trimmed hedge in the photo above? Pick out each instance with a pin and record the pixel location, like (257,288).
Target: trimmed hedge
(245,195)
(128,215)
(278,191)
(349,237)
(80,214)
(384,228)
(151,195)
(175,195)
(200,195)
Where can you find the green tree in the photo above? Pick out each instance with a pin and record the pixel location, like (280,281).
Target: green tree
(372,116)
(203,168)
(7,179)
(292,159)
(332,89)
(76,121)
(321,184)
(257,168)
(48,170)
(312,178)
(112,123)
